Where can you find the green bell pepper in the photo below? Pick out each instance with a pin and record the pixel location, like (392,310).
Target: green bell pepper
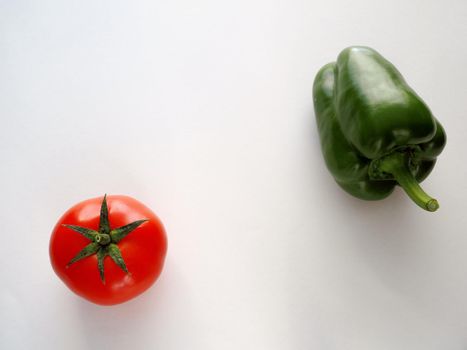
(375,131)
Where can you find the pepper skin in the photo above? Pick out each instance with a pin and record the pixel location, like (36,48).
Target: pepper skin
(375,131)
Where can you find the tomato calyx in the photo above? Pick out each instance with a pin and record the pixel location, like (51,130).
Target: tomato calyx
(104,241)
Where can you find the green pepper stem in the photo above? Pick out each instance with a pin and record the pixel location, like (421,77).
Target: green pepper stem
(397,165)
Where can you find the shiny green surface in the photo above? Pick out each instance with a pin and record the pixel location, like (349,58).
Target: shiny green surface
(365,112)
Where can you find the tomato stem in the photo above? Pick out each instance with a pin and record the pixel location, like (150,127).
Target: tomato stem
(104,242)
(103,239)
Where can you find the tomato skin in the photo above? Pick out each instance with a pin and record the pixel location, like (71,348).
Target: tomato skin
(143,251)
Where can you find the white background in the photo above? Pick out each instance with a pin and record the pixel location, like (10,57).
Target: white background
(203,111)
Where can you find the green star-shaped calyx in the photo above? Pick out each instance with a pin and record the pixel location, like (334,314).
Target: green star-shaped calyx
(104,241)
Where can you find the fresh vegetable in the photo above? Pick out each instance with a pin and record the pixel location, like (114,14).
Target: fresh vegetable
(108,250)
(375,131)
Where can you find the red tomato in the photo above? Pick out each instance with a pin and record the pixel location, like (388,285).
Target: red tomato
(108,249)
